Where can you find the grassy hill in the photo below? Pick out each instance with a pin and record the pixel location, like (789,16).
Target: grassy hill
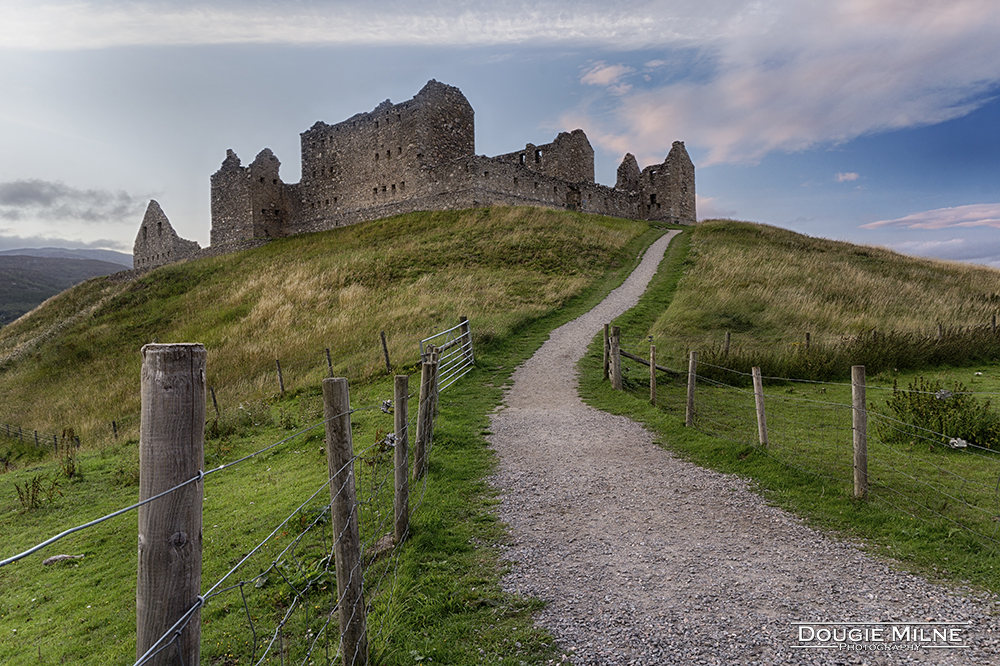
(516,273)
(293,299)
(75,363)
(26,281)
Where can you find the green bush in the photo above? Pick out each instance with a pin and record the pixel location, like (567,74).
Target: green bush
(928,410)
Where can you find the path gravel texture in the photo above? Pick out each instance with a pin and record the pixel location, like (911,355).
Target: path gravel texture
(643,558)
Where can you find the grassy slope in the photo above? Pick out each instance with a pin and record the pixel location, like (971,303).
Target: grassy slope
(294,298)
(766,284)
(408,275)
(679,296)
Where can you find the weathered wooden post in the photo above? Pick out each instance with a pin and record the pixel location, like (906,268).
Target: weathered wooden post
(758,397)
(36,439)
(344,516)
(425,413)
(329,363)
(692,376)
(652,374)
(114,429)
(171,452)
(281,379)
(616,358)
(402,485)
(860,423)
(940,331)
(808,340)
(993,325)
(385,353)
(725,346)
(607,352)
(215,403)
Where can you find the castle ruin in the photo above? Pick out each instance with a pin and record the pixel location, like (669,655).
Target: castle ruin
(413,156)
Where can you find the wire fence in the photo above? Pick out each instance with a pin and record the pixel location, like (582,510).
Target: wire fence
(244,403)
(951,485)
(283,594)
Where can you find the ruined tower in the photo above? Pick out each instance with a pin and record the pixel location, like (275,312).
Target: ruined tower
(157,243)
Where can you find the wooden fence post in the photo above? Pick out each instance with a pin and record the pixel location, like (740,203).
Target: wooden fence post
(758,397)
(808,340)
(55,444)
(329,363)
(607,352)
(425,413)
(171,451)
(281,379)
(114,429)
(36,439)
(402,495)
(344,516)
(940,331)
(652,374)
(215,404)
(692,375)
(385,353)
(616,358)
(860,431)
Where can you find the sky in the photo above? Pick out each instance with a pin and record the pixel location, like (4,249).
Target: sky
(871,121)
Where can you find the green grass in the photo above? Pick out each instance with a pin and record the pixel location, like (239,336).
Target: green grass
(438,597)
(933,508)
(294,298)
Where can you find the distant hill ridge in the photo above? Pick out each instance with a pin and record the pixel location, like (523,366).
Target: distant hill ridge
(27,280)
(61,252)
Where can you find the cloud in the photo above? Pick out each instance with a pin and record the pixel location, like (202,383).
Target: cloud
(10,241)
(973,215)
(789,75)
(35,199)
(602,74)
(846,177)
(75,24)
(981,251)
(709,209)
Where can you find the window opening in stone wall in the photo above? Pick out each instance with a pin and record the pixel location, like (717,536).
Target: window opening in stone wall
(399,150)
(159,228)
(144,233)
(486,174)
(274,181)
(522,159)
(538,156)
(399,116)
(376,157)
(262,179)
(652,199)
(651,174)
(375,191)
(335,201)
(388,154)
(383,188)
(394,188)
(515,180)
(402,184)
(536,185)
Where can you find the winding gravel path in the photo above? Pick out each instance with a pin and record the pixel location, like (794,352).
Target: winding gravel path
(647,559)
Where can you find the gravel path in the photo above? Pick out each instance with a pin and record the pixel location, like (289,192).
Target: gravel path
(647,559)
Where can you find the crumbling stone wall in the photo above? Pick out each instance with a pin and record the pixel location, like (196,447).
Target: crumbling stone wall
(421,155)
(157,243)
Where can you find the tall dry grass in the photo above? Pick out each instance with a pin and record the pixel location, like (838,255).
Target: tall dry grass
(75,361)
(771,285)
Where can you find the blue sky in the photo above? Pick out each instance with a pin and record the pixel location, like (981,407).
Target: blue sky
(874,121)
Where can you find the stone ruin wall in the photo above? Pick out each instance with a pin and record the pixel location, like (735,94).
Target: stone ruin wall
(157,243)
(420,155)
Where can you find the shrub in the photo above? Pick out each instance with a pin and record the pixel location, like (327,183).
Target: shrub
(928,410)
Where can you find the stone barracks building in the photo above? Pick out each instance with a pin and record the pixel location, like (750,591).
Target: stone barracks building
(416,155)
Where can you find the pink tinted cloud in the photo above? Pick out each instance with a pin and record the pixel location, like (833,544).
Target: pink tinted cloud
(602,74)
(973,215)
(846,177)
(795,75)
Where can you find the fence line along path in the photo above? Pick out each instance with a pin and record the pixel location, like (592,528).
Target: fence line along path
(646,559)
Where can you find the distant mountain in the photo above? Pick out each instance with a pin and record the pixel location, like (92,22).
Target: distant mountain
(63,253)
(26,281)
